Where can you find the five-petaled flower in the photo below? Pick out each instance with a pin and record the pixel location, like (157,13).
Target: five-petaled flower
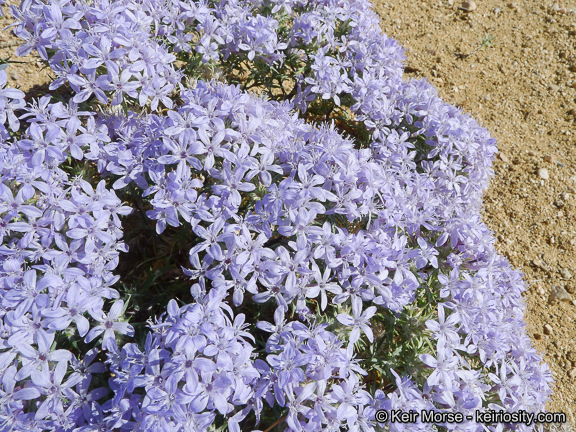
(109,325)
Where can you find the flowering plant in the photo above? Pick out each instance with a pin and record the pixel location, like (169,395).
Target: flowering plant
(237,215)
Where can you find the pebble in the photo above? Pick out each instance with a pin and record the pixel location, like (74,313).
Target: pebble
(565,273)
(504,158)
(541,265)
(497,11)
(571,356)
(543,174)
(554,87)
(537,336)
(548,330)
(431,49)
(512,5)
(468,6)
(558,293)
(572,373)
(549,158)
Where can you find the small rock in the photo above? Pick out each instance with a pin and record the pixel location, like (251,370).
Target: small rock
(565,273)
(572,373)
(537,336)
(555,7)
(543,174)
(549,158)
(504,158)
(548,330)
(497,11)
(554,87)
(431,49)
(571,356)
(541,265)
(512,5)
(558,293)
(468,6)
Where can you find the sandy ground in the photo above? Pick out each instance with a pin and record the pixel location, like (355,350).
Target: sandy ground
(512,66)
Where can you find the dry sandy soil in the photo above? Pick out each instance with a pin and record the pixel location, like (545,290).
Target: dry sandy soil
(512,66)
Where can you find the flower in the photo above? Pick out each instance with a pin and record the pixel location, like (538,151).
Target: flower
(76,304)
(359,321)
(109,325)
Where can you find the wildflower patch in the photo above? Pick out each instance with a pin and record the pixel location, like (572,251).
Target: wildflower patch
(245,219)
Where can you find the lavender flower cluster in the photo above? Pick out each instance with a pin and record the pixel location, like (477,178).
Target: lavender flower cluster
(323,205)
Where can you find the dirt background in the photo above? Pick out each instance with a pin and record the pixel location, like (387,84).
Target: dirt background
(512,66)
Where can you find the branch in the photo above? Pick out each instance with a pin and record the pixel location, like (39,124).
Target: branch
(275,423)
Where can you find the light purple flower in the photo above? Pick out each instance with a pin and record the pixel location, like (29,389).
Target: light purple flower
(109,325)
(360,320)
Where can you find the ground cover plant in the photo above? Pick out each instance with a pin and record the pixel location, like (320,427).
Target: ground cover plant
(238,215)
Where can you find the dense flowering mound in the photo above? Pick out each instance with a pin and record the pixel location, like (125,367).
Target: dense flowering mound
(335,260)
